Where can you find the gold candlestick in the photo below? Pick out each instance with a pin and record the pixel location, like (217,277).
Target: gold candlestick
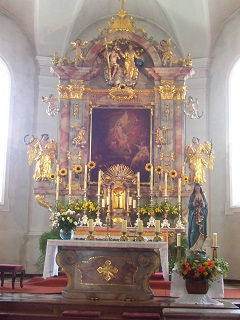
(157,238)
(124,237)
(108,220)
(140,237)
(90,236)
(215,251)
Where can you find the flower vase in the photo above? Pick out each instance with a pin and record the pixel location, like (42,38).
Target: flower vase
(66,235)
(196,286)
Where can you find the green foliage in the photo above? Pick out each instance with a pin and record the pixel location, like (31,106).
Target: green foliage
(52,234)
(172,250)
(222,265)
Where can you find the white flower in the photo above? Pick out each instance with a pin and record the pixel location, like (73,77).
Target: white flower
(75,222)
(58,214)
(63,219)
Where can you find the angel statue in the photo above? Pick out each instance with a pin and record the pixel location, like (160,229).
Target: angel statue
(79,140)
(167,55)
(199,157)
(52,109)
(78,45)
(44,153)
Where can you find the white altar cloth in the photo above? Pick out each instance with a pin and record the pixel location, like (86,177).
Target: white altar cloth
(51,267)
(197,299)
(178,287)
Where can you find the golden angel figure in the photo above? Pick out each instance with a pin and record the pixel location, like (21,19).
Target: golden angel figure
(78,45)
(44,153)
(167,55)
(80,139)
(199,157)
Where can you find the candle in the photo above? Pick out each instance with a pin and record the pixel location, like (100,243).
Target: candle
(165,182)
(124,225)
(134,203)
(85,178)
(70,182)
(151,178)
(214,239)
(138,184)
(99,181)
(140,226)
(90,225)
(179,240)
(57,188)
(157,225)
(179,190)
(130,201)
(103,203)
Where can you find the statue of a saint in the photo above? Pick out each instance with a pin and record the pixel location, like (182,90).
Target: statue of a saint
(78,45)
(197,218)
(167,55)
(44,153)
(199,157)
(130,68)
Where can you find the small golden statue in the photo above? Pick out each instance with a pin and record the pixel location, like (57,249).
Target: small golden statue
(199,157)
(44,153)
(167,55)
(78,45)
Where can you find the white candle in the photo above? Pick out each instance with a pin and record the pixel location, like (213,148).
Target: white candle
(151,178)
(85,178)
(179,190)
(165,181)
(140,226)
(179,240)
(103,203)
(214,239)
(99,181)
(57,188)
(70,182)
(90,225)
(157,225)
(124,225)
(130,201)
(134,203)
(138,184)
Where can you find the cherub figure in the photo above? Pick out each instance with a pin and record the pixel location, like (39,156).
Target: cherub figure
(78,45)
(191,108)
(79,140)
(51,110)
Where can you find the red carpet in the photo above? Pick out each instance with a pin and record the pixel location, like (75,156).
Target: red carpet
(55,285)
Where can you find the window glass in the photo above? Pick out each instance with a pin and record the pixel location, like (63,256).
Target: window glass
(4,120)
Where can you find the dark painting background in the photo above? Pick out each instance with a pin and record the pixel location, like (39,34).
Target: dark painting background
(121,136)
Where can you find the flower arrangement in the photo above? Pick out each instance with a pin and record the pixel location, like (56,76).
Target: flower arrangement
(79,206)
(66,220)
(158,210)
(201,270)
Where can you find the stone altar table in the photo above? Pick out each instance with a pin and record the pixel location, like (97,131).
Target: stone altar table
(107,270)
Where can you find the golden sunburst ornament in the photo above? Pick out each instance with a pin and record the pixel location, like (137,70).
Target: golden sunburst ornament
(148,167)
(173,174)
(63,172)
(91,165)
(77,168)
(159,170)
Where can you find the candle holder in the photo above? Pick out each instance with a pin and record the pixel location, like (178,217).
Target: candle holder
(215,251)
(140,238)
(179,253)
(84,221)
(98,221)
(151,222)
(165,223)
(124,237)
(108,221)
(179,224)
(90,236)
(157,238)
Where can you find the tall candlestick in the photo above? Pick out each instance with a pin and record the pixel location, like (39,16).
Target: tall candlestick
(138,184)
(151,178)
(214,239)
(70,182)
(157,225)
(165,182)
(99,181)
(179,240)
(140,226)
(85,178)
(124,225)
(90,225)
(179,190)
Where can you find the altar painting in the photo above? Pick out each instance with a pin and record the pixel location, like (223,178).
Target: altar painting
(121,136)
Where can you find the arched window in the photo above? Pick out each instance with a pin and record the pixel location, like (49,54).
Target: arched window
(234,141)
(5,85)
